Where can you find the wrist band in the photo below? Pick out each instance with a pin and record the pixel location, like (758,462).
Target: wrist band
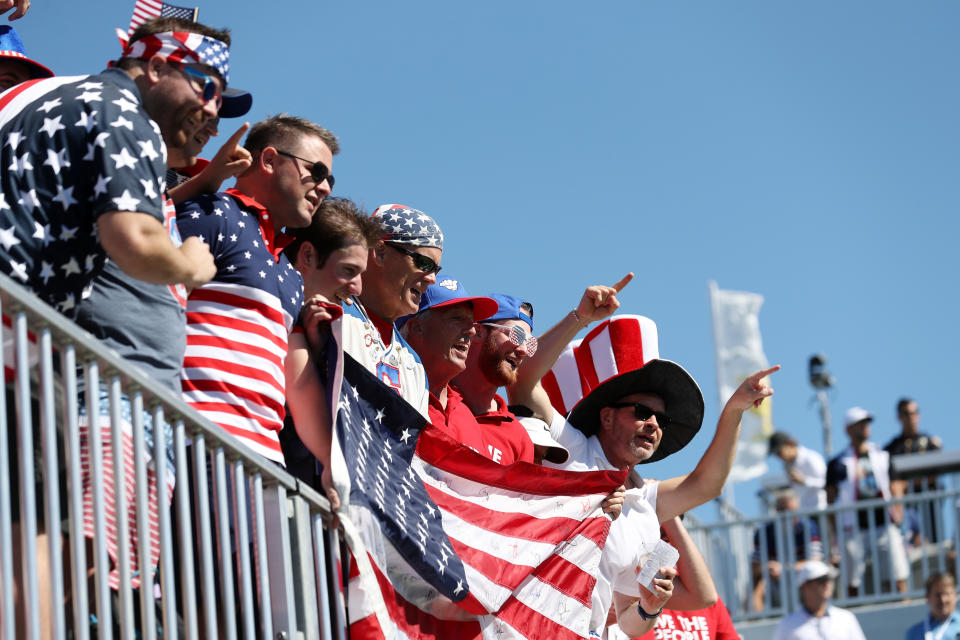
(647,616)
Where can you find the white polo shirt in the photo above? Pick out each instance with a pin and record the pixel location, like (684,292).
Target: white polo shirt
(835,624)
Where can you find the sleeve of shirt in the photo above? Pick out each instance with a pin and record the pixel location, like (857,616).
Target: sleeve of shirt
(571,438)
(836,472)
(814,470)
(199,217)
(127,158)
(723,629)
(915,632)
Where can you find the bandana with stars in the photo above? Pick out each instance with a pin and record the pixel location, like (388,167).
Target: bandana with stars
(409,226)
(182,46)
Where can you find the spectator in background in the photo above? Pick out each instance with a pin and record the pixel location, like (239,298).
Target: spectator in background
(238,324)
(912,440)
(544,446)
(943,620)
(862,472)
(817,619)
(805,468)
(15,66)
(806,546)
(331,256)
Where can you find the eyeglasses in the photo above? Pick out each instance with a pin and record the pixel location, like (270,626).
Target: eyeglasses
(518,336)
(208,86)
(643,412)
(420,261)
(318,171)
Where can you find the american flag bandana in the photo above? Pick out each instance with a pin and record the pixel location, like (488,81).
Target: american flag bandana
(409,226)
(183,46)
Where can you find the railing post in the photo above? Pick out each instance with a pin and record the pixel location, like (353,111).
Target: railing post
(279,560)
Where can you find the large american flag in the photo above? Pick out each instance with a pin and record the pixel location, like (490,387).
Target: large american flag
(144,10)
(449,544)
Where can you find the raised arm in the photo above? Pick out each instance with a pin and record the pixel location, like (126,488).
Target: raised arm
(230,161)
(141,247)
(695,588)
(597,303)
(705,482)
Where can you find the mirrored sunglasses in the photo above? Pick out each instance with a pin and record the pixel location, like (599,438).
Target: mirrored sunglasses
(207,86)
(518,336)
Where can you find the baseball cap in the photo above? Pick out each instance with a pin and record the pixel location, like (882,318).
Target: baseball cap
(813,570)
(509,309)
(539,432)
(448,292)
(855,415)
(236,103)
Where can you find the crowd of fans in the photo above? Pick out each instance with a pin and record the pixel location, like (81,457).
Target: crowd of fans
(231,298)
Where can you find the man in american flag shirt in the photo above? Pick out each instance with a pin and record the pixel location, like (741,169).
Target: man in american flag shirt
(239,323)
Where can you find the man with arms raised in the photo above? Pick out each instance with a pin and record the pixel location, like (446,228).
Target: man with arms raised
(635,408)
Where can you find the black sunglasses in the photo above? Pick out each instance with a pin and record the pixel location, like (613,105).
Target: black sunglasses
(420,261)
(318,171)
(643,412)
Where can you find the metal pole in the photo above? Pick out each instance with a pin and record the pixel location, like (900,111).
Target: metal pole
(824,401)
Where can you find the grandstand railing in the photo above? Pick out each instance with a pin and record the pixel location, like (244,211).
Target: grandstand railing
(243,550)
(734,552)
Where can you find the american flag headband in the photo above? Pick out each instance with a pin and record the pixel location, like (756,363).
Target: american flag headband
(182,46)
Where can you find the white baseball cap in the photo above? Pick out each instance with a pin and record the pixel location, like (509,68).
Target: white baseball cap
(855,415)
(539,432)
(813,570)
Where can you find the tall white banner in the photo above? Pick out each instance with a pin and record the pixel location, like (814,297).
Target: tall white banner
(739,349)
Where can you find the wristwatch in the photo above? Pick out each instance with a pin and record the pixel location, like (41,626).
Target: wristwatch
(647,616)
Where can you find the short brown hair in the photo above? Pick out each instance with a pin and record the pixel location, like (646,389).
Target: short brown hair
(162,25)
(283,130)
(338,223)
(937,578)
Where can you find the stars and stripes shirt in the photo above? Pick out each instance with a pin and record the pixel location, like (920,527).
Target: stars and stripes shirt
(71,149)
(239,322)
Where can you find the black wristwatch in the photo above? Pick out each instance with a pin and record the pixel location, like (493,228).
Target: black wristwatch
(647,616)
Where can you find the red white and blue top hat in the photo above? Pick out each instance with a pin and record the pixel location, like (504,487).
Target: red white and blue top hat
(11,46)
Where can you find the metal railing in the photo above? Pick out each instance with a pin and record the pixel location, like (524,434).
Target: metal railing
(738,553)
(243,551)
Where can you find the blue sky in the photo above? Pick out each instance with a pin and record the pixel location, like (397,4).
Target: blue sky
(805,151)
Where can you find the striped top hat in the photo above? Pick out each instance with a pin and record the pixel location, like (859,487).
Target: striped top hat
(619,357)
(11,47)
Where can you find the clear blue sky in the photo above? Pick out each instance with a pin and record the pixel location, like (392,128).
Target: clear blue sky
(807,151)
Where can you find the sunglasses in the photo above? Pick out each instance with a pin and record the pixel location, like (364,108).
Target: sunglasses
(207,85)
(518,336)
(643,412)
(318,171)
(420,261)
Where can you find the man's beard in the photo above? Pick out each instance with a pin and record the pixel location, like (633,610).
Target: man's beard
(496,369)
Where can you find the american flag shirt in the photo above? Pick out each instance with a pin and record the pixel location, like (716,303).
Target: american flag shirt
(239,322)
(71,149)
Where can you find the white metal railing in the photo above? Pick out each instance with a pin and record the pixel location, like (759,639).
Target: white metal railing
(736,553)
(243,551)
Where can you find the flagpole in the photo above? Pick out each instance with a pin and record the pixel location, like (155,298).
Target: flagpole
(728,495)
(196,14)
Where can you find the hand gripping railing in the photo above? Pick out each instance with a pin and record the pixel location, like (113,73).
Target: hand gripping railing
(243,551)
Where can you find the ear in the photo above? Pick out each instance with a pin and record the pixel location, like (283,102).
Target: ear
(606,417)
(154,69)
(307,256)
(379,252)
(267,160)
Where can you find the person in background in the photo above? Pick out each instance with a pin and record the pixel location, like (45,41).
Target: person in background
(817,619)
(943,620)
(805,468)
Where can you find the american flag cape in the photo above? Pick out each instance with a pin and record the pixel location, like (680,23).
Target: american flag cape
(448,544)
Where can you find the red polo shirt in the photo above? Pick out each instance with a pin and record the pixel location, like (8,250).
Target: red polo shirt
(507,440)
(457,420)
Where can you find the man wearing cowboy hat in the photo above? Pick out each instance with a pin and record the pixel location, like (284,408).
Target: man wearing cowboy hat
(817,618)
(15,66)
(635,407)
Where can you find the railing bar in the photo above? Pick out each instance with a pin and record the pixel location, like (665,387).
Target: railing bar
(101,561)
(188,587)
(206,538)
(77,545)
(323,592)
(339,613)
(6,518)
(260,535)
(937,524)
(120,504)
(874,543)
(789,560)
(223,530)
(242,528)
(148,624)
(168,582)
(28,505)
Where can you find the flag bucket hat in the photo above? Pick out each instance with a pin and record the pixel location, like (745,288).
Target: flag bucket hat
(619,357)
(11,48)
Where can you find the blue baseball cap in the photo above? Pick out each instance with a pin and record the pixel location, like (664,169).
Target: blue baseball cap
(448,292)
(509,309)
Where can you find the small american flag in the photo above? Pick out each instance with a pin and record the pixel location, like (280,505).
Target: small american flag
(432,523)
(146,9)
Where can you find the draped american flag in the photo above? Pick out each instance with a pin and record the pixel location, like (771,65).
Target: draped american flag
(449,544)
(144,10)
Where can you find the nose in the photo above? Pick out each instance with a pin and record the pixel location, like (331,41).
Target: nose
(211,108)
(522,350)
(355,286)
(430,278)
(323,189)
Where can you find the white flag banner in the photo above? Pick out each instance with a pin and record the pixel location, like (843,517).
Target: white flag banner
(739,348)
